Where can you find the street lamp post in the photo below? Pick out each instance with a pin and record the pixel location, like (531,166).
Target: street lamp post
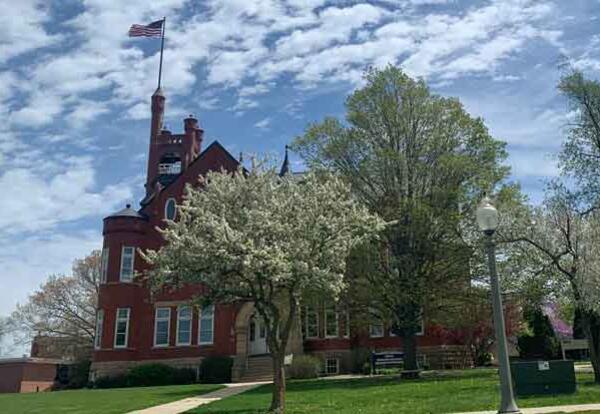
(487,220)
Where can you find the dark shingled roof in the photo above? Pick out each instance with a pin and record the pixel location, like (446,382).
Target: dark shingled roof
(127,212)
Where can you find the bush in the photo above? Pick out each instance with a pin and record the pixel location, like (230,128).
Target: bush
(159,374)
(541,342)
(79,374)
(116,381)
(304,367)
(149,375)
(216,370)
(538,347)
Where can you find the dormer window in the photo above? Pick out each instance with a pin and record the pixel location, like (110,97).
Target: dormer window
(170,209)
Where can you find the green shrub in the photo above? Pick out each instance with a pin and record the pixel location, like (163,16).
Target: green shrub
(216,370)
(116,381)
(79,374)
(540,342)
(304,367)
(149,375)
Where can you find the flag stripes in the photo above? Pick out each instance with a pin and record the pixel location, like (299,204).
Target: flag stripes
(153,29)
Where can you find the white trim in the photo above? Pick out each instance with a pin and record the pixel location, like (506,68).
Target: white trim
(99,329)
(346,333)
(337,366)
(310,309)
(166,205)
(337,321)
(156,320)
(130,277)
(200,342)
(117,320)
(104,264)
(186,319)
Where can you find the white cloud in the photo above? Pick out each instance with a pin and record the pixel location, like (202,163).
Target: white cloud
(263,123)
(37,202)
(21,28)
(336,25)
(86,111)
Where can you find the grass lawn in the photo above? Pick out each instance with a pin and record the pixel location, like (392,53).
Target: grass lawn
(455,391)
(110,401)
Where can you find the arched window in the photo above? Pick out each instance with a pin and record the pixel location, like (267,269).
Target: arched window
(170,209)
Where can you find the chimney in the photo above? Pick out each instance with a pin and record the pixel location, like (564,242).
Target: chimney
(156,124)
(192,141)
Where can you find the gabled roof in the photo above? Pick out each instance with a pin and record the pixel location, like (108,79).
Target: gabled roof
(215,145)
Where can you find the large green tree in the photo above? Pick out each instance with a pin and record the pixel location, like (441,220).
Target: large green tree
(419,160)
(266,239)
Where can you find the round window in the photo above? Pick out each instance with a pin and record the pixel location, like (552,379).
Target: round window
(170,210)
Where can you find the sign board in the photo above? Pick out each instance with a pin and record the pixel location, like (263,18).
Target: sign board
(543,366)
(574,344)
(287,360)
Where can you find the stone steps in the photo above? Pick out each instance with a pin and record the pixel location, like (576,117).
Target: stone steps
(258,368)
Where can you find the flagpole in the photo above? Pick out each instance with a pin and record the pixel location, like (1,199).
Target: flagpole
(162,46)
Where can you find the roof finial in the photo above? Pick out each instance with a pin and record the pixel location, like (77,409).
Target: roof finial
(285,167)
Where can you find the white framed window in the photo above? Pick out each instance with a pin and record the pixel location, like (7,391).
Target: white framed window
(184,325)
(331,321)
(206,325)
(127,262)
(376,327)
(346,332)
(104,265)
(170,209)
(99,327)
(311,322)
(162,326)
(122,327)
(332,366)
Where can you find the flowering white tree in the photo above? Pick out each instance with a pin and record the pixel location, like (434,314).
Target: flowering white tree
(563,242)
(267,239)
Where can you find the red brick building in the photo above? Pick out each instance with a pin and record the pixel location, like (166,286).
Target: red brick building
(28,374)
(134,327)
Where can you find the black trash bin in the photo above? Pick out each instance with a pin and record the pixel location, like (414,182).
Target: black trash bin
(543,377)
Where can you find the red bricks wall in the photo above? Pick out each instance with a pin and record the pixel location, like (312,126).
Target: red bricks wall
(23,376)
(11,376)
(128,231)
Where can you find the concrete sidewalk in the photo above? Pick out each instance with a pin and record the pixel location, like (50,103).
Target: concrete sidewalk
(186,404)
(547,410)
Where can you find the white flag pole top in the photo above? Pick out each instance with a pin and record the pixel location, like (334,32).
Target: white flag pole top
(162,46)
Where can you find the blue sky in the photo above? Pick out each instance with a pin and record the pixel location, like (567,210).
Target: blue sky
(74,92)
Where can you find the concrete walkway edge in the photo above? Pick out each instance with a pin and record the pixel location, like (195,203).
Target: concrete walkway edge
(546,410)
(181,406)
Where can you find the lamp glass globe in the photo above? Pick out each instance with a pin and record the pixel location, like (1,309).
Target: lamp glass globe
(487,216)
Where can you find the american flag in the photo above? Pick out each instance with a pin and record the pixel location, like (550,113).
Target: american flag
(154,29)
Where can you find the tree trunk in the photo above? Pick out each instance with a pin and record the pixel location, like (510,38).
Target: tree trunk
(591,324)
(409,345)
(278,398)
